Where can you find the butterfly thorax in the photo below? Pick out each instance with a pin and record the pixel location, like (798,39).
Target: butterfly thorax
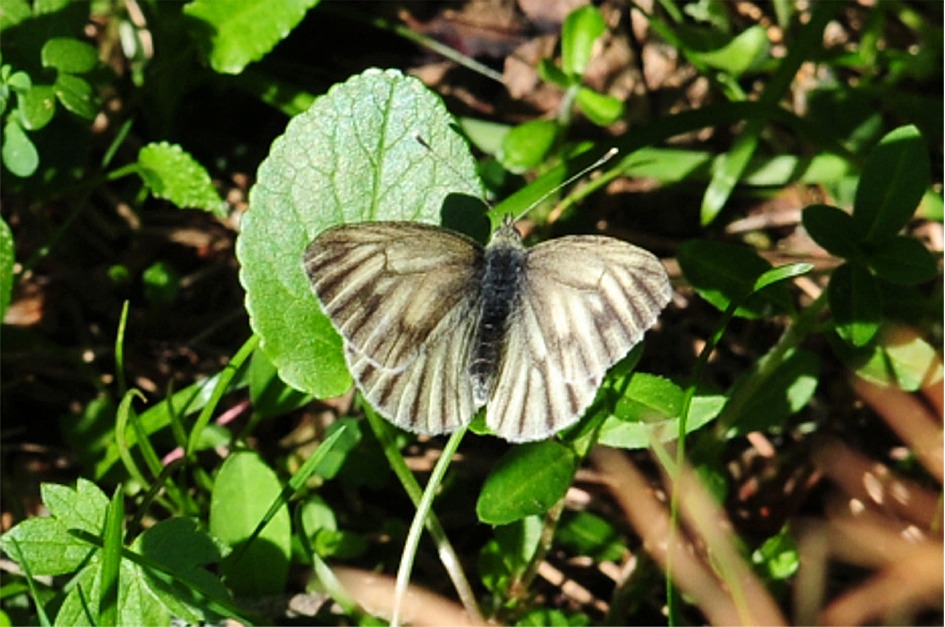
(501,288)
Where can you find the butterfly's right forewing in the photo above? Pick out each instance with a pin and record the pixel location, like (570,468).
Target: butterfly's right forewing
(404,297)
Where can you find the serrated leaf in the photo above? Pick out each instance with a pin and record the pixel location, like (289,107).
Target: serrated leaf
(352,157)
(264,566)
(903,260)
(69,55)
(82,507)
(833,229)
(234,33)
(172,174)
(180,546)
(856,303)
(526,481)
(580,30)
(723,273)
(136,603)
(36,107)
(76,95)
(7,263)
(894,179)
(46,546)
(600,109)
(19,154)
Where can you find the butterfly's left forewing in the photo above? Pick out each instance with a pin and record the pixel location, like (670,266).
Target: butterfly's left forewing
(404,298)
(584,303)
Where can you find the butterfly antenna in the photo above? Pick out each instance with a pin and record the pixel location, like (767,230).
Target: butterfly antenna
(604,159)
(423,142)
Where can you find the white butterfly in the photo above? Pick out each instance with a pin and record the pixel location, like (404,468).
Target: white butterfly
(435,326)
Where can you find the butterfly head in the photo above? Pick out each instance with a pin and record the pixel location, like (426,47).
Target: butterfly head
(507,234)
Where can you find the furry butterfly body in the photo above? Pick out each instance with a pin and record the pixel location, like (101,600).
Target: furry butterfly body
(435,326)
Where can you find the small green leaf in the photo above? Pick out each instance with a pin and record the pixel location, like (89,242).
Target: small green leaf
(7,263)
(777,557)
(234,33)
(352,157)
(903,260)
(69,55)
(242,491)
(900,357)
(833,229)
(649,411)
(76,95)
(856,303)
(742,53)
(161,283)
(20,82)
(508,555)
(591,535)
(894,179)
(172,174)
(526,145)
(600,109)
(528,480)
(723,273)
(784,393)
(579,32)
(37,107)
(551,73)
(781,273)
(19,154)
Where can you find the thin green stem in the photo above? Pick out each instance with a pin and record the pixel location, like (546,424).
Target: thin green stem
(423,512)
(447,554)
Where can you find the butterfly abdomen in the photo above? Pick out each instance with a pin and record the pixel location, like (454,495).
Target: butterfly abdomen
(501,289)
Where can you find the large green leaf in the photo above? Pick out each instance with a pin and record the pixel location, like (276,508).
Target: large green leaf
(352,157)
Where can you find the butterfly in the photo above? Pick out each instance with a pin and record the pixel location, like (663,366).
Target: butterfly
(436,326)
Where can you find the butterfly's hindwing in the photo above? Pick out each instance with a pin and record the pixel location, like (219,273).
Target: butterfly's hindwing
(404,297)
(584,303)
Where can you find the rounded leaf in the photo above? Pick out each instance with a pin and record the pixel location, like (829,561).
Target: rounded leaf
(528,480)
(19,153)
(37,107)
(525,146)
(76,95)
(352,157)
(580,30)
(234,33)
(600,109)
(69,55)
(242,493)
